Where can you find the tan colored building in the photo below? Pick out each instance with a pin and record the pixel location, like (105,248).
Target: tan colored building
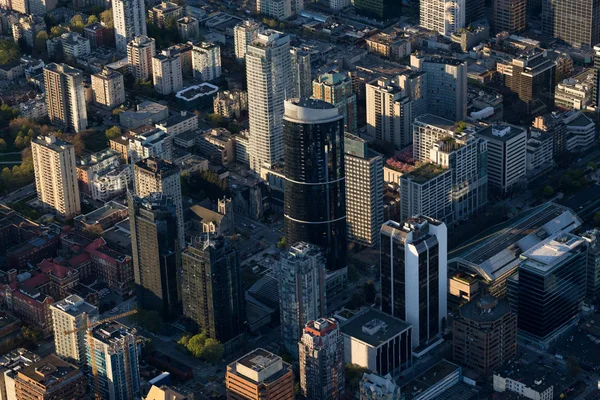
(154,175)
(510,16)
(139,55)
(51,379)
(259,375)
(55,175)
(167,393)
(108,88)
(65,97)
(167,73)
(160,12)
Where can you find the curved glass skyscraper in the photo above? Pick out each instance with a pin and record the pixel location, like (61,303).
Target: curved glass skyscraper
(315,192)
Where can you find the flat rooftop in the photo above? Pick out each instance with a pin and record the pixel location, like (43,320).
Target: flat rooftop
(50,370)
(551,251)
(496,250)
(372,319)
(428,379)
(258,359)
(193,92)
(75,306)
(98,214)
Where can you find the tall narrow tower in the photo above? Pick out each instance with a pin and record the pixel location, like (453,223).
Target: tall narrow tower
(268,70)
(315,188)
(65,97)
(129,18)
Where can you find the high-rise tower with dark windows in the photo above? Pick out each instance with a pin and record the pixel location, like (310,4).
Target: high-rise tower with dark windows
(315,192)
(212,291)
(414,276)
(154,241)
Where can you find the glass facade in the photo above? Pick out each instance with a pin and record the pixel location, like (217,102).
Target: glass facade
(315,201)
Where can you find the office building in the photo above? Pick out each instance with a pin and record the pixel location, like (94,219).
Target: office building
(65,97)
(496,256)
(540,152)
(188,28)
(378,342)
(378,9)
(507,156)
(533,381)
(593,265)
(321,358)
(426,190)
(509,16)
(474,10)
(140,51)
(531,76)
(155,175)
(50,378)
(206,61)
(269,77)
(596,91)
(129,18)
(581,131)
(446,85)
(154,239)
(259,375)
(166,72)
(301,73)
(113,352)
(485,334)
(549,288)
(389,113)
(70,314)
(364,191)
(336,88)
(55,177)
(244,33)
(576,22)
(163,11)
(108,88)
(443,16)
(315,193)
(211,288)
(414,273)
(301,291)
(454,147)
(376,387)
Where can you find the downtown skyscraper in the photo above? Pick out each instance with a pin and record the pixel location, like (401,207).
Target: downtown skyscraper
(269,76)
(212,292)
(315,191)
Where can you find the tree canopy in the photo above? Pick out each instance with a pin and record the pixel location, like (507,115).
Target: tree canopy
(9,51)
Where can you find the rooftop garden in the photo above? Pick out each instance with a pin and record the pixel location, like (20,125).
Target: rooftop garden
(425,172)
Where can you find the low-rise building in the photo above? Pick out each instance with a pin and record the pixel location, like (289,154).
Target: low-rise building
(218,145)
(112,267)
(34,108)
(89,168)
(104,217)
(10,365)
(392,46)
(540,150)
(372,336)
(230,103)
(533,381)
(581,131)
(434,382)
(188,28)
(163,11)
(376,387)
(575,93)
(179,123)
(51,378)
(197,96)
(145,113)
(74,45)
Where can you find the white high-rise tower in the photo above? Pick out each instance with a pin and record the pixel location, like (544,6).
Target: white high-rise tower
(130,21)
(269,78)
(444,16)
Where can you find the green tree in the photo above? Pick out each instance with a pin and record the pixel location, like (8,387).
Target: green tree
(9,51)
(113,132)
(30,334)
(106,16)
(597,218)
(3,145)
(212,351)
(196,344)
(77,24)
(57,30)
(185,339)
(354,374)
(369,292)
(92,19)
(40,41)
(548,191)
(282,244)
(592,165)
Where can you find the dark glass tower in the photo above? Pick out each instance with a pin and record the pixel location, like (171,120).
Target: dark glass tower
(315,192)
(212,292)
(153,225)
(379,9)
(549,288)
